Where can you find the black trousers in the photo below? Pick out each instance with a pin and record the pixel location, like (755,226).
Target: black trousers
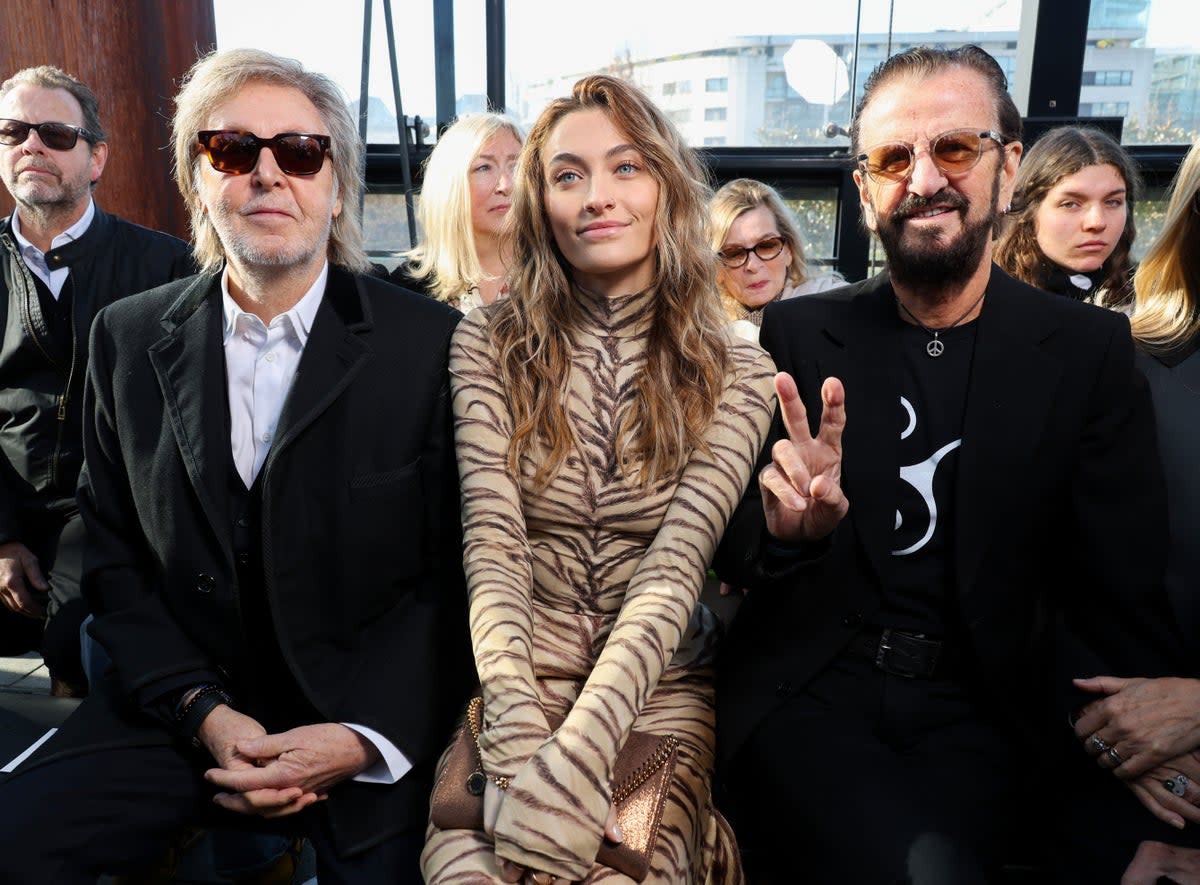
(113,810)
(874,779)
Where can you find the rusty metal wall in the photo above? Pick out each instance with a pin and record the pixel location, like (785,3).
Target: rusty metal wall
(132,53)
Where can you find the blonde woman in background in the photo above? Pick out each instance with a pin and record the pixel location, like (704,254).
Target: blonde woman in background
(465,197)
(760,253)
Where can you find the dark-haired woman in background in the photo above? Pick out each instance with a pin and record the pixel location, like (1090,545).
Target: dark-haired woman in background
(1070,228)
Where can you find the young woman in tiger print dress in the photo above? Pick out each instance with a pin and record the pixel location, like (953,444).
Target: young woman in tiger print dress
(606,428)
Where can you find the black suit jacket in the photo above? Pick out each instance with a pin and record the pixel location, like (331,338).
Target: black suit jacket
(1059,515)
(1174,380)
(361,543)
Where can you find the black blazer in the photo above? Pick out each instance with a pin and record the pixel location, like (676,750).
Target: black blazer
(1059,514)
(1174,380)
(361,534)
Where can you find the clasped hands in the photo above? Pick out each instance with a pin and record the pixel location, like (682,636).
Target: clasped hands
(273,775)
(513,872)
(1147,731)
(802,486)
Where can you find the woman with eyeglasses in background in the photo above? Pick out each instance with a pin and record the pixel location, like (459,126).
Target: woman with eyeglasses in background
(465,197)
(1070,228)
(1154,724)
(759,253)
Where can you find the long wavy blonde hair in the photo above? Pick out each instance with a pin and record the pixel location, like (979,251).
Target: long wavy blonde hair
(1167,283)
(531,330)
(447,257)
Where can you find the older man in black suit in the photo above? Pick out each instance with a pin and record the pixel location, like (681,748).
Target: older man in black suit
(272,510)
(973,516)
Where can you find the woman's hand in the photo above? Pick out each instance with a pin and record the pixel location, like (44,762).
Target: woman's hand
(514,872)
(1139,724)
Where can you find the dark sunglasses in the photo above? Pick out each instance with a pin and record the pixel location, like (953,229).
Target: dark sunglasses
(237,152)
(736,256)
(953,153)
(56,136)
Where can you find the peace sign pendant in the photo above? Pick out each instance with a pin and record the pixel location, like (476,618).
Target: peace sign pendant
(935,348)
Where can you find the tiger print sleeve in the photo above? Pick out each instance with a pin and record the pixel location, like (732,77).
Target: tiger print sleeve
(496,554)
(553,816)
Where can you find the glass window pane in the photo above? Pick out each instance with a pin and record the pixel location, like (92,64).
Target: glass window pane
(1142,63)
(470,55)
(815,209)
(385,226)
(784,69)
(334,47)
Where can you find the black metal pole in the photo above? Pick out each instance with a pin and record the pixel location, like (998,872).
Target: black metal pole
(401,125)
(494,25)
(443,62)
(362,98)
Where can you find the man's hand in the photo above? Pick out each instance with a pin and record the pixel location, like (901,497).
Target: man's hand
(1148,721)
(291,770)
(1156,859)
(220,733)
(1171,792)
(21,579)
(802,486)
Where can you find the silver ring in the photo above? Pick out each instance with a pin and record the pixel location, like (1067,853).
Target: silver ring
(1177,784)
(1099,744)
(1114,756)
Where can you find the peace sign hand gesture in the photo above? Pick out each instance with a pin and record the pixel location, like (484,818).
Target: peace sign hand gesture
(802,486)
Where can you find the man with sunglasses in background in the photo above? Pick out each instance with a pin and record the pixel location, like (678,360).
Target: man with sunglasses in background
(61,259)
(271,499)
(969,513)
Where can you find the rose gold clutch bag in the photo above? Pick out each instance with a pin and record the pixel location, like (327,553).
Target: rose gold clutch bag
(644,769)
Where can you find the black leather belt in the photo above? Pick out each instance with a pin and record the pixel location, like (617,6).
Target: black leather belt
(910,655)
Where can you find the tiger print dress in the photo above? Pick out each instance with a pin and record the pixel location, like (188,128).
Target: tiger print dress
(583,605)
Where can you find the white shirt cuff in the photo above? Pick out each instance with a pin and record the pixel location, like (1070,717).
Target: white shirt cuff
(392,765)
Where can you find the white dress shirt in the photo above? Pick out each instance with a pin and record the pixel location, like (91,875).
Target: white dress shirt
(35,258)
(260,364)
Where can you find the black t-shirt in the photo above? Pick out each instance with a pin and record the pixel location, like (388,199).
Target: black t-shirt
(917,595)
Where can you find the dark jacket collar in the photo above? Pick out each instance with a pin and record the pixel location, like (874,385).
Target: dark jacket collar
(344,295)
(94,238)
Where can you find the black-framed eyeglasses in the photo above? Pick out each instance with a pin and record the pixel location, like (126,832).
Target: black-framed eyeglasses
(54,135)
(736,256)
(953,153)
(236,153)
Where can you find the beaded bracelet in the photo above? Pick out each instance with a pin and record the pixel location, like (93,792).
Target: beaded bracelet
(202,702)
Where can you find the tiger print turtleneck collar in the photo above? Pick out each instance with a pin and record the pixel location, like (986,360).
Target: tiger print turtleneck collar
(622,316)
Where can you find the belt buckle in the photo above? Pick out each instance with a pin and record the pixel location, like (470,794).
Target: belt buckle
(905,655)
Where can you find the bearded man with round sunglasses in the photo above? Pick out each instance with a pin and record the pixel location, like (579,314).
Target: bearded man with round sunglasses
(271,498)
(62,258)
(968,513)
